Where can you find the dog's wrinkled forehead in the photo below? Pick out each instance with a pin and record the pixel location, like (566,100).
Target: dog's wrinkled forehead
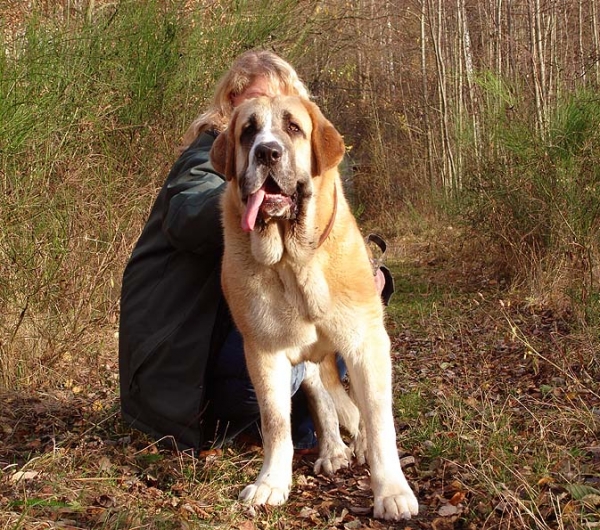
(272,119)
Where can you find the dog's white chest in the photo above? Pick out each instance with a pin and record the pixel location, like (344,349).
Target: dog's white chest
(305,289)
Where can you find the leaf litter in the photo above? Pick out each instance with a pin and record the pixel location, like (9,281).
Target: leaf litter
(497,408)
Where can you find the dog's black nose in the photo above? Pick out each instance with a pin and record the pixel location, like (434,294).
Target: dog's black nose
(268,153)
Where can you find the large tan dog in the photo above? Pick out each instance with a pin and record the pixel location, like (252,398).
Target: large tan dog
(298,281)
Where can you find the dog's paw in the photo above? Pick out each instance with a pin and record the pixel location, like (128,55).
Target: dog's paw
(263,493)
(330,461)
(396,507)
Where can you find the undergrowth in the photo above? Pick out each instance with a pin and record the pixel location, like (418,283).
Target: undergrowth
(534,197)
(92,110)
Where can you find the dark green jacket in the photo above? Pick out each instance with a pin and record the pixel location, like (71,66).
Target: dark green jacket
(173,315)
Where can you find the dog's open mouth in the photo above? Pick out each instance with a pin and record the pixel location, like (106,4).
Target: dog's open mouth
(268,202)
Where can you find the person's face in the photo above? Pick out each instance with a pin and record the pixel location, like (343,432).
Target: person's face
(259,87)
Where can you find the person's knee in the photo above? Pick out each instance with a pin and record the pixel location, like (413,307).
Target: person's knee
(234,398)
(298,374)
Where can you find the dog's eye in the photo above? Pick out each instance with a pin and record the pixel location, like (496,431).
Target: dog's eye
(249,128)
(248,131)
(294,128)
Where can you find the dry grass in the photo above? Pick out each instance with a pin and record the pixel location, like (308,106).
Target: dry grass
(92,112)
(497,405)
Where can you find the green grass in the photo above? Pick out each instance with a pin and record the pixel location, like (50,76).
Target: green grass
(415,297)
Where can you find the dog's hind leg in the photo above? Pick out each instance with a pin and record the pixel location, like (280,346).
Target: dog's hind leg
(347,412)
(333,452)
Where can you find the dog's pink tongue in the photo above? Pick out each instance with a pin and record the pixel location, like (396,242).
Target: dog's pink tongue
(252,208)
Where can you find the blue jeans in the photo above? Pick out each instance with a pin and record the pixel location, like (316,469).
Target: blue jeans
(233,400)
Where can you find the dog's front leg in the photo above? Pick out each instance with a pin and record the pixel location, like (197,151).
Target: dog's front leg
(271,376)
(371,378)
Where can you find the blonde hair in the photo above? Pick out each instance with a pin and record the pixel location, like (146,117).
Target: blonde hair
(245,69)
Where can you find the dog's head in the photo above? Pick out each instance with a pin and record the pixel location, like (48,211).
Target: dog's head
(272,149)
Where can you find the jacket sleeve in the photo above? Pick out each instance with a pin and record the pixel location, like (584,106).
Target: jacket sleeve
(192,212)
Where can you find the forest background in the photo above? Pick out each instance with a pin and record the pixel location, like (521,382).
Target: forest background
(472,122)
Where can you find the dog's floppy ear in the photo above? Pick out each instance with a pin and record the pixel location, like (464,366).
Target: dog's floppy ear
(327,144)
(222,153)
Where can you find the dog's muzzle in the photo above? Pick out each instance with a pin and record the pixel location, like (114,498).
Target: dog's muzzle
(270,201)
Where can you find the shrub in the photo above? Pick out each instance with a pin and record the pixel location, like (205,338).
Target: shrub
(536,197)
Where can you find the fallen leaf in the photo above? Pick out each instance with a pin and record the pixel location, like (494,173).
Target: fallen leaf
(443,523)
(592,500)
(353,525)
(457,498)
(307,512)
(360,510)
(302,480)
(545,481)
(579,491)
(339,519)
(23,475)
(194,509)
(447,510)
(407,461)
(210,452)
(456,485)
(104,465)
(363,484)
